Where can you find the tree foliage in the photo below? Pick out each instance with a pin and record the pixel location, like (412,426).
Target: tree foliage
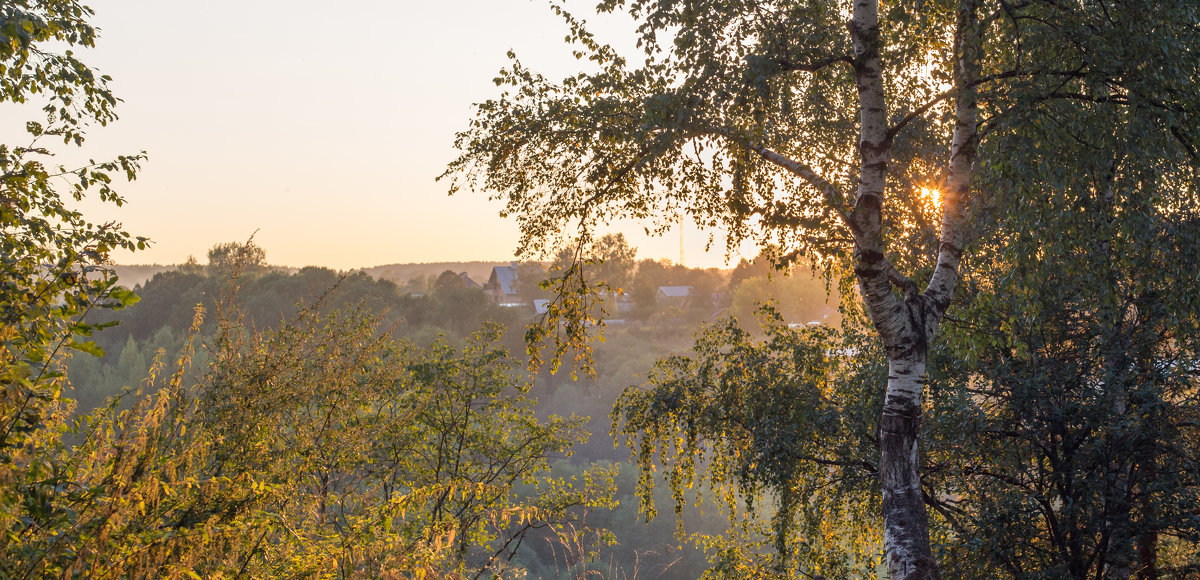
(770,428)
(52,258)
(385,457)
(321,447)
(818,128)
(1075,455)
(249,257)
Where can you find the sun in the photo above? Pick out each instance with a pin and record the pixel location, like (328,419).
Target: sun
(930,197)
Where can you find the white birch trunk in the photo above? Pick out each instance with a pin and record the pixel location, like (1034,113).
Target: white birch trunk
(906,525)
(906,529)
(907,325)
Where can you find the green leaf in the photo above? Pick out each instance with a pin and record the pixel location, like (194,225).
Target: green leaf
(89,347)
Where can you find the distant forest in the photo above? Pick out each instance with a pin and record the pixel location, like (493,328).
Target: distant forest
(136,274)
(435,305)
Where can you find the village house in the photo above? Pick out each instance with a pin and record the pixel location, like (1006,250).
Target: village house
(502,286)
(673,296)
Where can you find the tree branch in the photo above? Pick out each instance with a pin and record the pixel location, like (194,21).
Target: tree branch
(833,196)
(835,199)
(924,108)
(788,66)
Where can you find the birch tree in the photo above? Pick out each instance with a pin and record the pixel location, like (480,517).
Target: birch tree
(818,127)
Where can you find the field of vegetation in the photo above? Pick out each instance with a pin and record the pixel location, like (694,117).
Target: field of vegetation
(969,348)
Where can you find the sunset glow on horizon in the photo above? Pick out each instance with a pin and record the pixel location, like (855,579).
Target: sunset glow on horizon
(322,130)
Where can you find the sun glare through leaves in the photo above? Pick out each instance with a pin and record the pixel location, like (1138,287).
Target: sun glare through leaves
(930,197)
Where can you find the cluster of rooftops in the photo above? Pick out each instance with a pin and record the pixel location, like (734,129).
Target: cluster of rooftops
(502,286)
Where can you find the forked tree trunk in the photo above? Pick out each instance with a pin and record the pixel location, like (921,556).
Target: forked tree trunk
(907,325)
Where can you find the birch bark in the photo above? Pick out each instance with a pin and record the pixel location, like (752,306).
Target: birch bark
(907,324)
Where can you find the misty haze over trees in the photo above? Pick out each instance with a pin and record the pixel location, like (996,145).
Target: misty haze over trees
(812,413)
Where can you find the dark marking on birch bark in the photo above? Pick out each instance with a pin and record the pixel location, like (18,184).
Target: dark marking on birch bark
(866,49)
(940,304)
(926,569)
(870,257)
(967,149)
(869,201)
(952,249)
(916,321)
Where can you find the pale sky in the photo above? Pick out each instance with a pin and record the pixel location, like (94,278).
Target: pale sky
(321,125)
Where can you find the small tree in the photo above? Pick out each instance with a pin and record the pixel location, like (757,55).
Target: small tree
(53,260)
(223,258)
(382,458)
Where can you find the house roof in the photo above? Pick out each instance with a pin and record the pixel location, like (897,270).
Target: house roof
(467,281)
(504,278)
(675,291)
